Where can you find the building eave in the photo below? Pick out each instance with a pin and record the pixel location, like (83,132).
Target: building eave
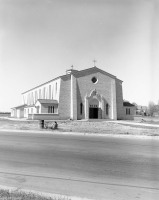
(41,85)
(21,106)
(47,101)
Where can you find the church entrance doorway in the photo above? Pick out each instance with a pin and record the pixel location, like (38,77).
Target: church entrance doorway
(93,108)
(93,113)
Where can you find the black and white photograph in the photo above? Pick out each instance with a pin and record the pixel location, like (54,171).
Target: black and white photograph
(79,99)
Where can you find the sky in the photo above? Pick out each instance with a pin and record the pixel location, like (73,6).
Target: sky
(41,39)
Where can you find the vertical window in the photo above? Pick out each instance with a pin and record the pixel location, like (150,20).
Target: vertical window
(107,109)
(52,91)
(127,111)
(81,108)
(32,97)
(56,88)
(49,91)
(28,99)
(44,93)
(51,109)
(39,93)
(35,96)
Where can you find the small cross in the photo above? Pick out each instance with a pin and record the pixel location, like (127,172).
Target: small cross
(72,67)
(94,62)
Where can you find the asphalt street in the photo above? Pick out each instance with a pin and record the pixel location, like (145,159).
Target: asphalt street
(117,168)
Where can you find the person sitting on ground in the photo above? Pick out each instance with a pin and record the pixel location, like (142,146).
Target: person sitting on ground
(54,125)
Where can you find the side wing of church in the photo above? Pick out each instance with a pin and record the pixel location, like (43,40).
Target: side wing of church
(87,94)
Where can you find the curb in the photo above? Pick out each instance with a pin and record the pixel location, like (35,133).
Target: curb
(81,134)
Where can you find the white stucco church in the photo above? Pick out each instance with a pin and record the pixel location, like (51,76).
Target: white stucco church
(87,94)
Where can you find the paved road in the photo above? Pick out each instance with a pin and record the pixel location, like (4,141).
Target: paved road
(86,166)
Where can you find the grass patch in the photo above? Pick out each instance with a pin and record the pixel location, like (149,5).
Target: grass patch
(90,127)
(20,195)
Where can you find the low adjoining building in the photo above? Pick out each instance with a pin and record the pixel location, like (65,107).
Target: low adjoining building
(129,110)
(87,94)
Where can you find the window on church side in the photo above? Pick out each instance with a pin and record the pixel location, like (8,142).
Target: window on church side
(107,109)
(32,98)
(56,88)
(49,91)
(39,93)
(44,93)
(28,99)
(81,108)
(53,92)
(35,95)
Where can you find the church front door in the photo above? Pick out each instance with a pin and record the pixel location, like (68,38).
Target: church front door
(93,113)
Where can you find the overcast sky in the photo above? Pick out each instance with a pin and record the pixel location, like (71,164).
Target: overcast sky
(40,39)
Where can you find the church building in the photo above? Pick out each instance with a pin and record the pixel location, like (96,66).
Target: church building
(86,94)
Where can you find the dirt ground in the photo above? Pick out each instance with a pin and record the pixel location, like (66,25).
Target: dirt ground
(91,126)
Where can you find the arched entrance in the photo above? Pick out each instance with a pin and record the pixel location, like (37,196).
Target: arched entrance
(93,109)
(94,106)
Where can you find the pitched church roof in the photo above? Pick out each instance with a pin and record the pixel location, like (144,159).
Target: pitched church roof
(78,74)
(88,71)
(93,70)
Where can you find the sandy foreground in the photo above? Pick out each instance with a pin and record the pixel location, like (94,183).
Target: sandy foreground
(91,126)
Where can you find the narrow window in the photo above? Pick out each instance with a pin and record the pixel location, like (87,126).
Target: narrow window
(107,109)
(56,88)
(31,98)
(49,91)
(127,111)
(51,109)
(28,99)
(39,93)
(81,108)
(53,92)
(35,95)
(44,93)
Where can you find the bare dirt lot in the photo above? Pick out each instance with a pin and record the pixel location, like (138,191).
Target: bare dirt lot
(91,126)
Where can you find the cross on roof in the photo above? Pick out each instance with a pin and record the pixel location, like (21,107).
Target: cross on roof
(94,61)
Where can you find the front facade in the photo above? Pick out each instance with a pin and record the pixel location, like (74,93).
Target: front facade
(86,94)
